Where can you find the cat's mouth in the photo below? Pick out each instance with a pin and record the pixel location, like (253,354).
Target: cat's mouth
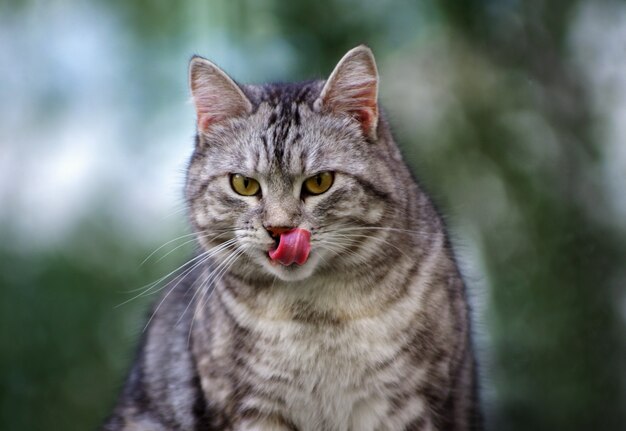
(292,246)
(276,239)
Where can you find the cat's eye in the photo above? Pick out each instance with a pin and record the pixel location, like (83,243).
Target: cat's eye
(245,186)
(318,184)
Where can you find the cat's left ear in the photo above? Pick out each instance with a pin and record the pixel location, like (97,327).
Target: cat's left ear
(352,89)
(215,95)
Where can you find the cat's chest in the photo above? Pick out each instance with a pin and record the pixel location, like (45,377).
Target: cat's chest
(333,378)
(333,375)
(316,357)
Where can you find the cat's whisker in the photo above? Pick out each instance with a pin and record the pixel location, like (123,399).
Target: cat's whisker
(191,240)
(333,246)
(351,236)
(165,245)
(345,244)
(335,233)
(174,212)
(196,235)
(323,260)
(175,248)
(217,268)
(186,263)
(326,247)
(210,285)
(170,291)
(326,229)
(385,228)
(151,291)
(147,289)
(205,256)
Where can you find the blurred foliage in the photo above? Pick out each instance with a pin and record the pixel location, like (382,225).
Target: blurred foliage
(513,158)
(67,335)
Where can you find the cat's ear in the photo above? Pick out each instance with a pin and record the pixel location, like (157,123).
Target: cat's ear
(215,95)
(352,89)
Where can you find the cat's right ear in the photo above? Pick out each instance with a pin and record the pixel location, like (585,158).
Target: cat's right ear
(215,95)
(352,89)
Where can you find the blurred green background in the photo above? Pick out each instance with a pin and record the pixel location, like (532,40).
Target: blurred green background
(512,113)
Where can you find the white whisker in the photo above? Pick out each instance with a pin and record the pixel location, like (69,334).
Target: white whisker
(170,291)
(164,245)
(217,268)
(148,287)
(391,229)
(210,285)
(192,240)
(197,235)
(352,236)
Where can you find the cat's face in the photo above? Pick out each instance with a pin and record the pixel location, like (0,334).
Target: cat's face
(281,163)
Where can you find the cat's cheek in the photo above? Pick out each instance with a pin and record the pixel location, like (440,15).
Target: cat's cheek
(201,218)
(374,213)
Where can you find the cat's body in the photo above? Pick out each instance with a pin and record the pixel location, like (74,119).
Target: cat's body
(371,332)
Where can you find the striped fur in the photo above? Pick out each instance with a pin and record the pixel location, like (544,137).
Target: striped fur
(372,333)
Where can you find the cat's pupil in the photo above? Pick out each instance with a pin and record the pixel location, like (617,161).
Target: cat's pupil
(246,182)
(318,180)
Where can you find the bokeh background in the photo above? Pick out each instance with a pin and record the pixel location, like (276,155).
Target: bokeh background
(512,113)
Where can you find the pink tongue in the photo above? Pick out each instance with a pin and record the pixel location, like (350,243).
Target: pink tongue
(294,246)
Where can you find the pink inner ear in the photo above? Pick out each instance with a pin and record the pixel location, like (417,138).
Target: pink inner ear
(216,97)
(366,118)
(357,99)
(363,105)
(208,108)
(205,120)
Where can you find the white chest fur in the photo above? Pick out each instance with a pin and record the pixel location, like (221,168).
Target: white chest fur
(337,377)
(336,383)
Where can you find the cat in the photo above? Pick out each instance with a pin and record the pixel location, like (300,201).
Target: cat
(325,295)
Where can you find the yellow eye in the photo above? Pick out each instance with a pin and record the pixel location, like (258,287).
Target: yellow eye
(319,183)
(244,185)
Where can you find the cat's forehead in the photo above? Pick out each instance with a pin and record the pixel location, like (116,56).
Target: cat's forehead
(286,135)
(278,94)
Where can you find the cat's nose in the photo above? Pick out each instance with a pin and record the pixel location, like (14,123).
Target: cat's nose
(276,231)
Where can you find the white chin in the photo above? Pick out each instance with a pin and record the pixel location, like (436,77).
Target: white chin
(292,272)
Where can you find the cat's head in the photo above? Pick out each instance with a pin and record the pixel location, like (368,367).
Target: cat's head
(276,162)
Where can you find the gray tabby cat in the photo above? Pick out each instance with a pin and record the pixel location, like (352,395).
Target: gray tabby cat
(325,296)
